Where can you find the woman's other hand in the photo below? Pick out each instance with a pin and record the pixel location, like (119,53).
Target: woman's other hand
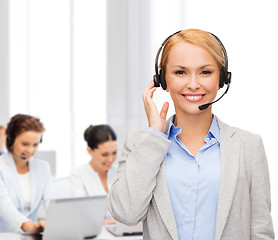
(109,221)
(33,227)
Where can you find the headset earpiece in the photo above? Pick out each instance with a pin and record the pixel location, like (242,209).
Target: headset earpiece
(228,78)
(156,80)
(225,77)
(9,141)
(11,137)
(222,77)
(162,79)
(159,80)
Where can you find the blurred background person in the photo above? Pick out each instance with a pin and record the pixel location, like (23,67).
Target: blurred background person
(96,177)
(2,139)
(25,181)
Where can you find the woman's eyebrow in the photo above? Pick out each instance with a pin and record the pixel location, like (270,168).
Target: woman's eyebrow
(207,65)
(183,67)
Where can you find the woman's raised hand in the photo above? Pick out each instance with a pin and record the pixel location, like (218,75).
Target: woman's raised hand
(156,120)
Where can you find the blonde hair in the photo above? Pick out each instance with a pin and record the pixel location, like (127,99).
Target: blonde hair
(196,37)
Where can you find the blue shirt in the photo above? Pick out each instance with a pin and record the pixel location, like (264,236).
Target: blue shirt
(193,184)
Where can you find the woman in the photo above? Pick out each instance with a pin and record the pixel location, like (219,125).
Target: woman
(25,181)
(192,177)
(97,176)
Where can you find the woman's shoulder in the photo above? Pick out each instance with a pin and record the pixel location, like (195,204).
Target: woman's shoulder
(5,160)
(40,163)
(81,169)
(237,132)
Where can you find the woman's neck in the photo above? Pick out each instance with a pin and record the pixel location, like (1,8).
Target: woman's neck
(194,124)
(102,175)
(100,172)
(194,129)
(21,166)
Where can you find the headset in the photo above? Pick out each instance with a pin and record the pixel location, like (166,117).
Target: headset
(225,75)
(11,137)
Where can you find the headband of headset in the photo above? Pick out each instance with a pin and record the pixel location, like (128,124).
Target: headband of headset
(11,137)
(159,77)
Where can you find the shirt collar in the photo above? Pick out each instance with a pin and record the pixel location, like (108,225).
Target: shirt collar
(214,131)
(172,129)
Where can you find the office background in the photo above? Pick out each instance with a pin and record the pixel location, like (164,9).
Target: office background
(79,62)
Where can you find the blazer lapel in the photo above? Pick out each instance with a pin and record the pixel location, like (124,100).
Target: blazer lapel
(163,202)
(230,152)
(16,182)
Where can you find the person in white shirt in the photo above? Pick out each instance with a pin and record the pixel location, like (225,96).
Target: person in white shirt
(96,177)
(25,182)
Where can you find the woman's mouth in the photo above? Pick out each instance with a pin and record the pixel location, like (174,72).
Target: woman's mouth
(108,164)
(193,97)
(27,156)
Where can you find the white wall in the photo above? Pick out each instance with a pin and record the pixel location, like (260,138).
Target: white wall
(128,64)
(4,62)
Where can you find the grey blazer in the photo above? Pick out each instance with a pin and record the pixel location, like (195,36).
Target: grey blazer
(140,192)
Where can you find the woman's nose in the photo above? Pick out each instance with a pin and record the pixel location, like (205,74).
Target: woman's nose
(110,159)
(31,149)
(193,82)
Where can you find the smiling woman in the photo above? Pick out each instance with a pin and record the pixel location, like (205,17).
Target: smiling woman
(97,176)
(203,179)
(25,182)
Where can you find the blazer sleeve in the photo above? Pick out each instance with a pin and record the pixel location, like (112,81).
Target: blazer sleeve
(131,193)
(8,210)
(261,222)
(48,190)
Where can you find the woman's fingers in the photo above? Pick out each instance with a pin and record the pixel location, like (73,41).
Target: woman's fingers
(164,110)
(149,90)
(147,98)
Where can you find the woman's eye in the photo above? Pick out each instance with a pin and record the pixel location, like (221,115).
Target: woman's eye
(206,72)
(179,72)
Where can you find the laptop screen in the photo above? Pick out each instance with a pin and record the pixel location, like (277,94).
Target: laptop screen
(75,218)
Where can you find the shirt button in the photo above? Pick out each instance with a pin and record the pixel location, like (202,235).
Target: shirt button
(192,188)
(188,220)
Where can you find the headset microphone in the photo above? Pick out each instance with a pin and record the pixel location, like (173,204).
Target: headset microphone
(22,158)
(205,106)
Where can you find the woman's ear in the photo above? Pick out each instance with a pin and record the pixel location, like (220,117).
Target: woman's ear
(90,151)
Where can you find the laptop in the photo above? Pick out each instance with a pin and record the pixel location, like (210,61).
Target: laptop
(75,218)
(120,229)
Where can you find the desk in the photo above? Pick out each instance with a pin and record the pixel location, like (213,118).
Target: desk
(104,235)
